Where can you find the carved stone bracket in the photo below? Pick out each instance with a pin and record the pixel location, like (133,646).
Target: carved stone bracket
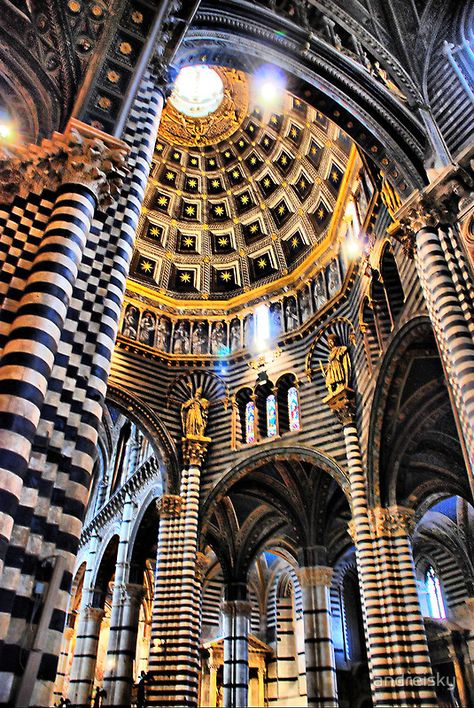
(194,450)
(342,405)
(70,158)
(315,576)
(392,521)
(170,505)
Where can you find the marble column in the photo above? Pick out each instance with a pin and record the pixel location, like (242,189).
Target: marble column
(399,664)
(63,663)
(119,595)
(213,668)
(236,626)
(176,618)
(319,649)
(85,656)
(118,680)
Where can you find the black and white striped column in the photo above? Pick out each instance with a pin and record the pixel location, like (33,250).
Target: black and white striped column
(398,657)
(451,329)
(321,684)
(116,681)
(28,356)
(176,620)
(236,626)
(85,656)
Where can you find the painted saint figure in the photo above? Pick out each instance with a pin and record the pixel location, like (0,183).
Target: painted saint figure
(194,413)
(181,339)
(338,369)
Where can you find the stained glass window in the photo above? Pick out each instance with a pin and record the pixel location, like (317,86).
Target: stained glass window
(436,604)
(250,422)
(294,408)
(271,416)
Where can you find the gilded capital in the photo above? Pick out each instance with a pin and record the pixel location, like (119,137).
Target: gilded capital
(194,450)
(170,505)
(394,521)
(342,405)
(315,576)
(65,158)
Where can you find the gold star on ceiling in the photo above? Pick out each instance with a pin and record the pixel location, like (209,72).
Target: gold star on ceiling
(215,182)
(176,155)
(266,182)
(274,119)
(155,231)
(294,133)
(235,174)
(294,242)
(254,228)
(283,159)
(313,150)
(253,160)
(163,201)
(266,142)
(302,183)
(281,209)
(194,161)
(320,213)
(227,153)
(188,241)
(190,210)
(251,128)
(219,210)
(170,176)
(146,266)
(223,241)
(262,263)
(212,162)
(226,276)
(241,143)
(334,176)
(185,277)
(192,182)
(244,199)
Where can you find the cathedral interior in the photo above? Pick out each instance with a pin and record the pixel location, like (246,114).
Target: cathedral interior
(237,353)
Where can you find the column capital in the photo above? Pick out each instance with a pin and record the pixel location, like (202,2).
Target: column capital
(236,607)
(170,505)
(79,156)
(95,613)
(315,576)
(395,521)
(133,593)
(342,405)
(194,450)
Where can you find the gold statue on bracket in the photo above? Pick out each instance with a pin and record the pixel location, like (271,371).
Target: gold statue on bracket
(337,372)
(194,415)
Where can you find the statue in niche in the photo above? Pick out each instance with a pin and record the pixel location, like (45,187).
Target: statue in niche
(235,344)
(334,278)
(337,372)
(275,319)
(200,339)
(162,334)
(249,330)
(181,339)
(147,327)
(130,322)
(218,343)
(291,314)
(305,305)
(320,294)
(194,414)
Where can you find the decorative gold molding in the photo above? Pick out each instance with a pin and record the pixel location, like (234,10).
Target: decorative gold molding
(170,505)
(194,450)
(70,157)
(342,405)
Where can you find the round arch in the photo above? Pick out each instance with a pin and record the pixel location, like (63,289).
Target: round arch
(141,414)
(301,453)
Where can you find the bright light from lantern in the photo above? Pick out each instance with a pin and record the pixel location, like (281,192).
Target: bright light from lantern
(269,87)
(198,91)
(6,131)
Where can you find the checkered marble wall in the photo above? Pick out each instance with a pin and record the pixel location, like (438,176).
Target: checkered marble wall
(48,519)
